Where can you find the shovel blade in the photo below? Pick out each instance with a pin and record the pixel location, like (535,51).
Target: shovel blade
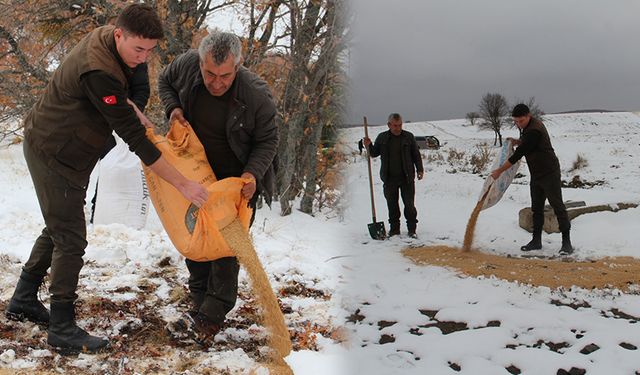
(377,231)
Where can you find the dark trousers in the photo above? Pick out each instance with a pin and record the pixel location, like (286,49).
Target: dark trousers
(407,191)
(63,240)
(548,188)
(213,285)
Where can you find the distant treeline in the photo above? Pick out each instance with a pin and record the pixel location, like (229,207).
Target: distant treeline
(586,111)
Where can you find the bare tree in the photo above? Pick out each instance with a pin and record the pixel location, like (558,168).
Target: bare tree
(264,34)
(315,161)
(472,117)
(38,34)
(183,21)
(294,44)
(493,110)
(317,38)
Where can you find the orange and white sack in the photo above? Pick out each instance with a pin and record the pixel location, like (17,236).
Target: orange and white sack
(499,186)
(195,232)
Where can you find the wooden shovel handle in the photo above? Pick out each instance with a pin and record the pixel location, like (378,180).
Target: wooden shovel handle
(373,204)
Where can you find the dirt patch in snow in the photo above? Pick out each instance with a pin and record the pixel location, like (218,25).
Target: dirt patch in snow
(619,272)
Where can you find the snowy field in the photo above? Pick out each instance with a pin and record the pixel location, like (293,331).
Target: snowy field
(354,305)
(411,319)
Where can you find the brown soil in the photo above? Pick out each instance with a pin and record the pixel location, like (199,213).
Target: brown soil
(273,320)
(618,272)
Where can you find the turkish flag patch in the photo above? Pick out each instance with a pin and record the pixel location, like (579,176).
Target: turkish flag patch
(110,100)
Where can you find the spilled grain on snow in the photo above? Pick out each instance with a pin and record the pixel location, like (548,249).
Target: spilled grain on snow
(272,318)
(618,272)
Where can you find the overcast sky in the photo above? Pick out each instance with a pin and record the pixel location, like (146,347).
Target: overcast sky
(434,59)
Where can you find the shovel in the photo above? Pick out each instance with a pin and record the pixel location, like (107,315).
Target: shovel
(376,228)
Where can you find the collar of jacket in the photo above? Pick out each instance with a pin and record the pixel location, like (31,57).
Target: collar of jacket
(110,41)
(530,125)
(402,135)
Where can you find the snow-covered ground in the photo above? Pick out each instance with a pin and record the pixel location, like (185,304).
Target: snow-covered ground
(400,318)
(134,282)
(486,325)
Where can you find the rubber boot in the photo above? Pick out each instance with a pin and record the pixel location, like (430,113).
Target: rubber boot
(194,326)
(394,230)
(566,248)
(25,304)
(195,302)
(66,336)
(205,330)
(412,231)
(535,243)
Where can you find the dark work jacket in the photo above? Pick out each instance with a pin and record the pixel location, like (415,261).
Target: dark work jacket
(251,129)
(139,89)
(535,146)
(68,131)
(411,158)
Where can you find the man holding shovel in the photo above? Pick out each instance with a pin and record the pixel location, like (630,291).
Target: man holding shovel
(534,144)
(401,162)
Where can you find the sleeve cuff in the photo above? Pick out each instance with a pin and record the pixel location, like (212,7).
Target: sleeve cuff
(147,152)
(170,109)
(253,172)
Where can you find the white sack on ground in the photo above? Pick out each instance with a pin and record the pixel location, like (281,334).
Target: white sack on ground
(122,195)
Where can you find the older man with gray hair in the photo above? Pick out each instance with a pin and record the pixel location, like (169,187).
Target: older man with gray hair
(233,114)
(400,163)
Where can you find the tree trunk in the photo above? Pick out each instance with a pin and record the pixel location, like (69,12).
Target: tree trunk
(311,166)
(296,99)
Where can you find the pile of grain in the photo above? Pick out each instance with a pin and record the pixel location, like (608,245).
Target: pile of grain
(618,272)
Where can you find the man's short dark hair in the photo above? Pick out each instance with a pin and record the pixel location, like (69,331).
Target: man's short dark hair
(520,110)
(140,20)
(394,117)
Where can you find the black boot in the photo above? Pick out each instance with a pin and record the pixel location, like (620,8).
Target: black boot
(566,248)
(196,327)
(412,231)
(195,302)
(394,230)
(25,304)
(535,243)
(66,336)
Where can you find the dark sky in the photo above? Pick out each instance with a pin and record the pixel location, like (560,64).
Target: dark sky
(434,59)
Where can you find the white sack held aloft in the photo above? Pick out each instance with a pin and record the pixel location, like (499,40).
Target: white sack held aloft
(122,195)
(499,186)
